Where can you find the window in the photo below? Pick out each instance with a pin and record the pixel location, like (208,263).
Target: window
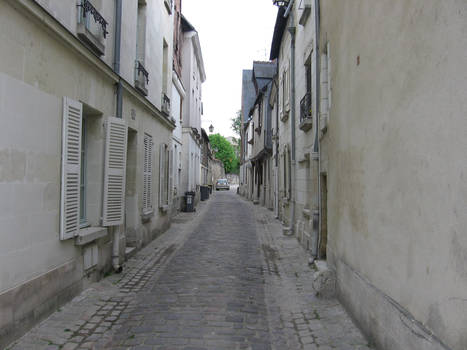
(165,66)
(141,32)
(165,176)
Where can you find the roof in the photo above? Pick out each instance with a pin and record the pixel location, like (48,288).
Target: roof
(248,93)
(187,26)
(264,69)
(279,28)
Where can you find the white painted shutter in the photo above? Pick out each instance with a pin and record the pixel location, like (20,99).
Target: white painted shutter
(71,164)
(287,88)
(162,176)
(114,172)
(147,174)
(281,94)
(171,167)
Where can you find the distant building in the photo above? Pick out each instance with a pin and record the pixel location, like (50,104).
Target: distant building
(193,76)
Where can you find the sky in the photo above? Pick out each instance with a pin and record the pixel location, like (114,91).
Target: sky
(232,34)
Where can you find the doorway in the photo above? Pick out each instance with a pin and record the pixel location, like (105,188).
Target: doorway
(324,217)
(131,194)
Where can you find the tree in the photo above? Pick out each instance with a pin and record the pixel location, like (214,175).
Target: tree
(237,127)
(237,123)
(225,152)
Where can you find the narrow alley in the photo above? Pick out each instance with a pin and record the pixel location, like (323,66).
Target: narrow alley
(221,278)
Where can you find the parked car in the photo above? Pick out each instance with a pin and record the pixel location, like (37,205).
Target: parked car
(222,184)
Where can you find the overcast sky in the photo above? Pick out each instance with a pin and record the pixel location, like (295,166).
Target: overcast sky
(232,35)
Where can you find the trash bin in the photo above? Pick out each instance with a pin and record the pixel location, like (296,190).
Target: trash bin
(189,202)
(204,193)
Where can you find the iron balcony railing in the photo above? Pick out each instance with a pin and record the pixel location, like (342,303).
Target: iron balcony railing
(141,72)
(305,107)
(86,11)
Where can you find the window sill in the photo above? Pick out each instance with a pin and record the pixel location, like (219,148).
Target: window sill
(90,234)
(94,43)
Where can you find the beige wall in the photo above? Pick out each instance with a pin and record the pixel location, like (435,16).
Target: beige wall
(397,161)
(40,63)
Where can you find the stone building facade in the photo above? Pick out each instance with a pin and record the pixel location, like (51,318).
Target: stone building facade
(193,76)
(369,140)
(84,145)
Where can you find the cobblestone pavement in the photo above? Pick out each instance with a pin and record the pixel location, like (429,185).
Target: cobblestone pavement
(222,278)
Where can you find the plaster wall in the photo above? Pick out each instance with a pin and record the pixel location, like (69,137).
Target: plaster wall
(37,69)
(397,166)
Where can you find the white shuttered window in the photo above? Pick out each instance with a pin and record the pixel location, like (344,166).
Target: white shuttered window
(165,176)
(114,172)
(147,174)
(71,164)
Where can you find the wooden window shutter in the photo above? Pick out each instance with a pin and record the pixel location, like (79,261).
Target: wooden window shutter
(281,94)
(162,170)
(71,164)
(114,172)
(171,170)
(147,174)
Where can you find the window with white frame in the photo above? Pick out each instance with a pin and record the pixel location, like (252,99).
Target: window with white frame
(165,176)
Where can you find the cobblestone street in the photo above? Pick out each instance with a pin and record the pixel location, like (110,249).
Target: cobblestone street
(221,278)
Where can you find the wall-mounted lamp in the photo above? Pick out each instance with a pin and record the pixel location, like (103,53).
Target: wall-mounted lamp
(280,3)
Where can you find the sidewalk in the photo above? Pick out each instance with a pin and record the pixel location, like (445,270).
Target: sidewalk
(298,319)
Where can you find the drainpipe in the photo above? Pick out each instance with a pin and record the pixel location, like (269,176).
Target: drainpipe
(115,230)
(317,133)
(276,144)
(291,29)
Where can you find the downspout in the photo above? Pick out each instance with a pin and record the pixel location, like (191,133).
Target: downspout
(118,35)
(291,29)
(276,143)
(317,136)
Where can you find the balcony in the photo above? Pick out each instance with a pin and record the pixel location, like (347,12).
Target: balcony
(92,27)
(165,106)
(306,115)
(169,5)
(141,78)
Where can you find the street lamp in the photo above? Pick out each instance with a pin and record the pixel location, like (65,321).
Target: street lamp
(211,128)
(280,3)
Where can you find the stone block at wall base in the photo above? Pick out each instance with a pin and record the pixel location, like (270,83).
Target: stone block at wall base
(33,301)
(324,280)
(384,322)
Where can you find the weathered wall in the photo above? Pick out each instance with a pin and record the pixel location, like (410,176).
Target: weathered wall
(38,67)
(397,167)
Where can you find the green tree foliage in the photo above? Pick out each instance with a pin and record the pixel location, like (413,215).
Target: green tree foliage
(237,123)
(225,152)
(236,126)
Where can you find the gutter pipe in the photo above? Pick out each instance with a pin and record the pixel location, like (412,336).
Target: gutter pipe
(317,134)
(291,29)
(117,48)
